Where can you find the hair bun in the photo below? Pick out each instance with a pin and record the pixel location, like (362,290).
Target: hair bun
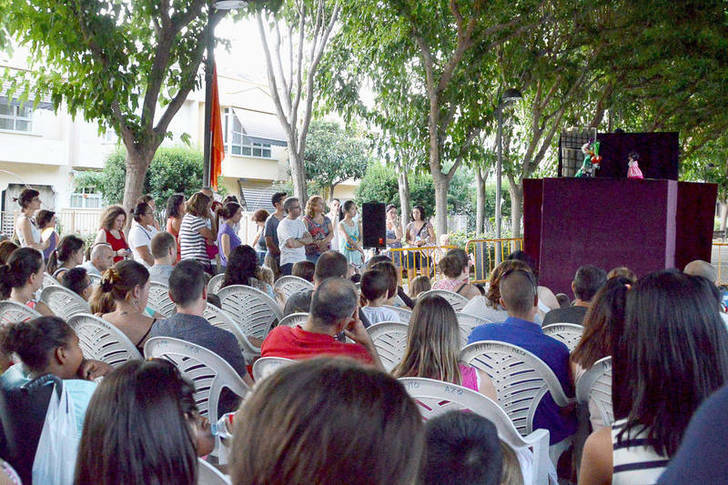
(110,277)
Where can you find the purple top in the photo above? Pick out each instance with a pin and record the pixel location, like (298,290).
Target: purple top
(234,241)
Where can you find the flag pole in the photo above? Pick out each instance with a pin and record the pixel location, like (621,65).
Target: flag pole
(209,66)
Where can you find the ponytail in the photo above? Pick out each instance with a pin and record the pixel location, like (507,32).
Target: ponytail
(116,283)
(53,260)
(5,281)
(66,247)
(22,263)
(34,340)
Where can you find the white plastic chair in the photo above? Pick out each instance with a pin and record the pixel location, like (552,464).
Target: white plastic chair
(390,340)
(435,397)
(209,372)
(290,285)
(159,300)
(404,313)
(521,380)
(466,323)
(595,385)
(11,312)
(293,319)
(101,340)
(63,302)
(49,280)
(568,333)
(456,300)
(219,318)
(209,475)
(213,286)
(95,279)
(252,309)
(265,366)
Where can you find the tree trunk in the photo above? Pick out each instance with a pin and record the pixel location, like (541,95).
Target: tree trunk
(723,214)
(480,177)
(442,184)
(298,176)
(137,164)
(516,192)
(404,198)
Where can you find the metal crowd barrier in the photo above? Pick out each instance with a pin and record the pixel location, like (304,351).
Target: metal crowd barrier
(489,252)
(416,261)
(719,259)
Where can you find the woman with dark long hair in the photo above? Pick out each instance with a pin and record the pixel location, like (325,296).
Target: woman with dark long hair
(174,214)
(26,228)
(112,231)
(22,277)
(67,255)
(243,269)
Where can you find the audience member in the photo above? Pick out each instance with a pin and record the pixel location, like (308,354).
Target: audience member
(273,254)
(623,271)
(149,200)
(259,217)
(333,215)
(48,349)
(330,264)
(304,269)
(67,255)
(121,299)
(461,447)
(489,307)
(333,310)
(418,233)
(111,232)
(26,228)
(519,298)
(512,472)
(141,233)
(433,348)
(455,266)
(393,235)
(672,355)
(243,269)
(164,251)
(546,299)
(77,280)
(419,285)
(195,231)
(214,204)
(395,291)
(587,281)
(563,299)
(349,233)
(102,258)
(307,410)
(174,215)
(22,277)
(7,247)
(292,236)
(375,290)
(227,237)
(702,268)
(46,221)
(319,226)
(143,427)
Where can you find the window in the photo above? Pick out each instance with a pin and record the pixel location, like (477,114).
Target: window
(237,142)
(85,198)
(16,118)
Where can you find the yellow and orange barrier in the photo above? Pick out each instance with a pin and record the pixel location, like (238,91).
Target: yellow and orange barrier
(417,261)
(486,252)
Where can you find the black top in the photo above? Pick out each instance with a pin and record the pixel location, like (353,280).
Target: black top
(572,314)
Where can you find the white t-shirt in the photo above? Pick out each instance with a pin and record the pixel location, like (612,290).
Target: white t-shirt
(376,314)
(291,229)
(141,236)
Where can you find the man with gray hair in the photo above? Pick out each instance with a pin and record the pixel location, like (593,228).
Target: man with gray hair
(102,258)
(334,309)
(292,236)
(702,268)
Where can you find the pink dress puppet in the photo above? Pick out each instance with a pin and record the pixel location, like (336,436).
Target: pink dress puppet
(634,172)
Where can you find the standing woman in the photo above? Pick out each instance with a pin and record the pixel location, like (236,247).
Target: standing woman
(22,277)
(394,238)
(259,217)
(194,231)
(419,233)
(69,254)
(319,226)
(150,202)
(26,227)
(47,223)
(141,234)
(227,238)
(111,232)
(350,236)
(175,213)
(334,213)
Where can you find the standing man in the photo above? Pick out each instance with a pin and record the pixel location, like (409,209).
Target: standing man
(273,253)
(292,236)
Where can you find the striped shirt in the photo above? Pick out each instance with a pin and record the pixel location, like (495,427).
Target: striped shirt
(635,462)
(192,244)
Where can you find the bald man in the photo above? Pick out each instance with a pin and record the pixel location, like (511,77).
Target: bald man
(102,258)
(702,268)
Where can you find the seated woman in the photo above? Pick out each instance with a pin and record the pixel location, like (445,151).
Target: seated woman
(243,269)
(456,268)
(383,262)
(604,318)
(143,426)
(22,277)
(672,355)
(489,307)
(419,285)
(45,346)
(121,299)
(433,347)
(67,255)
(77,280)
(309,409)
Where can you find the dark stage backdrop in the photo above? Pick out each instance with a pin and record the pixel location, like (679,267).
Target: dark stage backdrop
(658,152)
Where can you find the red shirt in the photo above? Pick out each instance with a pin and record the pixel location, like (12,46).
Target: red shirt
(296,343)
(116,244)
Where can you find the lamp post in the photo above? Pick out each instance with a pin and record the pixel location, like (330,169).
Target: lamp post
(509,95)
(209,66)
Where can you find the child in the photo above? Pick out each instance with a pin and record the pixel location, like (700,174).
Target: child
(419,285)
(375,289)
(304,269)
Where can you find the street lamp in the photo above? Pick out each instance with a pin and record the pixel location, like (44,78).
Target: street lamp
(509,95)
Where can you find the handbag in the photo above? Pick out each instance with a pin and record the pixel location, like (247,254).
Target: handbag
(55,457)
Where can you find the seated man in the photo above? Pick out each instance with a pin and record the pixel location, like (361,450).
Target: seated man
(587,281)
(519,298)
(333,310)
(702,268)
(102,258)
(164,251)
(187,290)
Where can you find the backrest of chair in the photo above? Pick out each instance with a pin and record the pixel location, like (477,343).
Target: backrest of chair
(390,340)
(63,302)
(293,319)
(218,318)
(290,285)
(159,299)
(404,313)
(49,280)
(265,366)
(209,475)
(209,372)
(568,333)
(466,323)
(11,312)
(213,286)
(596,385)
(520,378)
(101,340)
(252,309)
(457,301)
(95,279)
